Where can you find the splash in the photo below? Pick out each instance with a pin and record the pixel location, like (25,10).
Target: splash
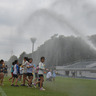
(60,19)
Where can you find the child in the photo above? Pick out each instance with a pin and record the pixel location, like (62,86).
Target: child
(29,72)
(36,73)
(25,70)
(15,73)
(49,76)
(5,70)
(41,73)
(12,69)
(54,75)
(21,72)
(2,66)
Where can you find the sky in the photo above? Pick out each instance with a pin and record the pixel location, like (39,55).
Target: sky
(22,19)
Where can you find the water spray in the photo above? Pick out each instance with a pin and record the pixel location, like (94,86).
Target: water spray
(61,20)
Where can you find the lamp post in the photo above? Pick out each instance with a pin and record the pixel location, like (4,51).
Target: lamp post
(33,40)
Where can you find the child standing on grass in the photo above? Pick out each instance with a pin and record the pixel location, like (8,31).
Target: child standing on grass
(29,72)
(36,73)
(21,72)
(15,73)
(49,76)
(6,70)
(2,66)
(54,75)
(41,73)
(12,70)
(25,70)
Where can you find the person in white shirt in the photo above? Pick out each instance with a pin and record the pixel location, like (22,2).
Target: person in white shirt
(49,76)
(21,72)
(25,64)
(41,73)
(30,72)
(15,73)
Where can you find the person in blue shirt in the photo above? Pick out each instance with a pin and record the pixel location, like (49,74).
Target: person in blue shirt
(15,73)
(12,70)
(29,71)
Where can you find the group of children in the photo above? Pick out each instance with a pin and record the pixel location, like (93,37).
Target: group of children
(26,70)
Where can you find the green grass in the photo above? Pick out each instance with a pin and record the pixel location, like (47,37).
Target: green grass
(61,87)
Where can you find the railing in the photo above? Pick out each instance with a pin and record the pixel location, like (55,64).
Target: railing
(77,69)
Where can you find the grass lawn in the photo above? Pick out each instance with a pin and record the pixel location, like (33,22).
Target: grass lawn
(61,87)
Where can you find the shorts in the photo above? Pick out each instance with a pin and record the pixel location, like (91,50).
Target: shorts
(36,75)
(5,72)
(29,74)
(21,74)
(25,74)
(41,75)
(15,76)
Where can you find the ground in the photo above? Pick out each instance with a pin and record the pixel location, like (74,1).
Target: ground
(61,87)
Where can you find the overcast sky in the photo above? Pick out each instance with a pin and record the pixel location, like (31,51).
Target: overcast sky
(22,19)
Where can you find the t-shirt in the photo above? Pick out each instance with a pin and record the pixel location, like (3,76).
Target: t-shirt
(34,68)
(1,68)
(29,70)
(49,75)
(21,70)
(34,65)
(37,69)
(54,73)
(16,69)
(5,69)
(25,66)
(12,68)
(41,68)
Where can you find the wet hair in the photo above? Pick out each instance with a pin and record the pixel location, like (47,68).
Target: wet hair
(1,61)
(42,58)
(15,61)
(20,64)
(30,59)
(26,58)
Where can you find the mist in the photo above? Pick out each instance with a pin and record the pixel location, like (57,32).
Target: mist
(63,32)
(48,21)
(44,19)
